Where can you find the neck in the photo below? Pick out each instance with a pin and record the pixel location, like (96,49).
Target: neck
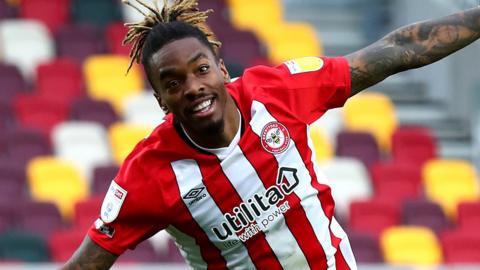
(222,138)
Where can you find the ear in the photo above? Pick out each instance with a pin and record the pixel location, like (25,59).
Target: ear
(163,106)
(223,69)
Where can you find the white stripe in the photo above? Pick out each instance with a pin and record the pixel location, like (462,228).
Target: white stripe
(243,177)
(345,247)
(188,248)
(305,191)
(207,214)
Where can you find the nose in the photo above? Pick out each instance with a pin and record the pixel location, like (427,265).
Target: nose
(193,86)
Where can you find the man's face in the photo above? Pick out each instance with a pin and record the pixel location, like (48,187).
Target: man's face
(190,82)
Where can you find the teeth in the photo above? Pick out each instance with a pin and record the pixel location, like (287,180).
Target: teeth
(202,106)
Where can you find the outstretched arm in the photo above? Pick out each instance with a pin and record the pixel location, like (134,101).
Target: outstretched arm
(90,256)
(413,46)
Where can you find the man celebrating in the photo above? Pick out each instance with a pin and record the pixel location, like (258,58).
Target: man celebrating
(229,173)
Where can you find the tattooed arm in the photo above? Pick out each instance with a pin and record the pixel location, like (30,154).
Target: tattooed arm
(413,46)
(90,256)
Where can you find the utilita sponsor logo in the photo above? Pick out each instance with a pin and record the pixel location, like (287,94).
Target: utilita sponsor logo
(260,211)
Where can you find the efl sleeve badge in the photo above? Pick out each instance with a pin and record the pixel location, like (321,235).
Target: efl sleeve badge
(113,202)
(305,64)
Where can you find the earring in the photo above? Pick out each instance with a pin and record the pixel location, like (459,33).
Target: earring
(164,109)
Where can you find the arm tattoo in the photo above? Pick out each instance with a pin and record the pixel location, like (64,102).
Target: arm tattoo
(90,256)
(413,46)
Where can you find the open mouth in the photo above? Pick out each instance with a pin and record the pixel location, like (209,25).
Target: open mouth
(203,108)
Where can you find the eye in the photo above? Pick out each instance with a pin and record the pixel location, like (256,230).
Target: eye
(204,69)
(172,84)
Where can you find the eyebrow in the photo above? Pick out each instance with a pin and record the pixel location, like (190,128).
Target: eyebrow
(164,72)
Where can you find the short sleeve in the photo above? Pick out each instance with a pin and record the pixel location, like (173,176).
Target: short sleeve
(307,87)
(131,211)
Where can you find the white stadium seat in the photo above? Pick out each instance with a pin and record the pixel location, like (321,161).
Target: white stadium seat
(143,109)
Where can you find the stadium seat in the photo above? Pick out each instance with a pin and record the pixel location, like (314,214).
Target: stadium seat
(449,182)
(83,143)
(373,216)
(12,181)
(469,215)
(365,247)
(24,144)
(25,44)
(58,181)
(414,145)
(143,109)
(98,13)
(358,145)
(266,12)
(11,83)
(396,181)
(52,13)
(23,247)
(461,246)
(143,253)
(106,80)
(124,137)
(77,42)
(63,243)
(7,119)
(115,34)
(40,113)
(8,216)
(242,47)
(87,109)
(60,79)
(7,11)
(371,112)
(102,177)
(86,212)
(331,123)
(425,213)
(349,181)
(410,245)
(41,218)
(322,147)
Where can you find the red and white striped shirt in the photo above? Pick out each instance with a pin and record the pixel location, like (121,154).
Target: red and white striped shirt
(263,204)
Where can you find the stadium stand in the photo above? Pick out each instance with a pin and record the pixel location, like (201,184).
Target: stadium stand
(373,216)
(414,145)
(52,13)
(142,109)
(461,246)
(359,145)
(11,83)
(323,148)
(425,213)
(78,41)
(469,215)
(123,137)
(102,177)
(365,247)
(88,109)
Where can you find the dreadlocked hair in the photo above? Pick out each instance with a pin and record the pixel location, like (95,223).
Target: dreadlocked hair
(179,20)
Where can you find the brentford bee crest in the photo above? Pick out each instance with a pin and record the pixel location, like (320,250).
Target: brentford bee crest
(275,138)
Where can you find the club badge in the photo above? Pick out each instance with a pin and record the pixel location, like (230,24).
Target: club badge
(275,138)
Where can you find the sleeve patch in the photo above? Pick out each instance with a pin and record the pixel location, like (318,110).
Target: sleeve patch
(113,202)
(304,64)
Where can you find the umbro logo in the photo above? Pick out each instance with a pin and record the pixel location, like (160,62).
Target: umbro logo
(195,195)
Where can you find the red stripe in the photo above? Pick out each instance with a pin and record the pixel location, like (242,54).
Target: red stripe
(266,167)
(185,222)
(340,262)
(226,198)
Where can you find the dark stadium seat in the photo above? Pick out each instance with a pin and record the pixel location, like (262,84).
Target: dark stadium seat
(425,213)
(98,13)
(41,218)
(24,144)
(115,33)
(373,216)
(87,109)
(469,215)
(360,145)
(102,177)
(79,41)
(23,246)
(8,216)
(365,247)
(11,82)
(53,13)
(60,79)
(12,181)
(413,145)
(241,46)
(461,246)
(86,212)
(7,11)
(63,243)
(144,253)
(7,118)
(396,181)
(220,9)
(40,113)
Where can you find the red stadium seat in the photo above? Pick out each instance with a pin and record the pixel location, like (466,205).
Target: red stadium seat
(53,13)
(413,145)
(396,181)
(86,212)
(115,33)
(61,80)
(373,216)
(63,243)
(461,246)
(37,112)
(469,215)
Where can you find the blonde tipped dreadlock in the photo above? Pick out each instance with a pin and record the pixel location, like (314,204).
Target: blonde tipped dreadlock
(181,10)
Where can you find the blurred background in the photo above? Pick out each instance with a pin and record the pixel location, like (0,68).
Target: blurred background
(402,158)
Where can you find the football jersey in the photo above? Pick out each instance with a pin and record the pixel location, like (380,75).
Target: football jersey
(263,204)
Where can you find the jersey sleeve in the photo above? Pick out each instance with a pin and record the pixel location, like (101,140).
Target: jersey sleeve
(307,87)
(130,212)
